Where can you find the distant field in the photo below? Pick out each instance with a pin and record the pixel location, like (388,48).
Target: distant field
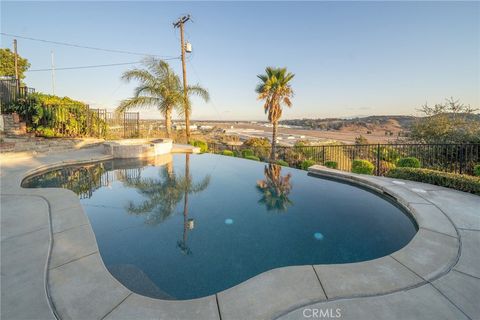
(376,129)
(344,135)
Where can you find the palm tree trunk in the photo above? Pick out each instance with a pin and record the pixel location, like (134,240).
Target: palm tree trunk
(274,142)
(168,123)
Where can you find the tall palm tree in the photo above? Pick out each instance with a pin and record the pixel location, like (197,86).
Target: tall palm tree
(159,87)
(275,188)
(276,90)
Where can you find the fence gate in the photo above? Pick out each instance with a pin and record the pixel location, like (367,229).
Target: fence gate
(125,125)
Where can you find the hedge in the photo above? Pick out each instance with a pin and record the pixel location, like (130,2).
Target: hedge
(252,158)
(456,181)
(409,162)
(306,163)
(227,153)
(362,166)
(282,163)
(476,170)
(331,164)
(201,144)
(247,153)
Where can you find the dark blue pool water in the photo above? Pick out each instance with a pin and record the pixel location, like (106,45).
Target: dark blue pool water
(189,226)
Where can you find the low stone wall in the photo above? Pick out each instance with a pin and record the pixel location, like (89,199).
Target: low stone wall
(137,148)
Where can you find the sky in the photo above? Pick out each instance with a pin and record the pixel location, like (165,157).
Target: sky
(349,58)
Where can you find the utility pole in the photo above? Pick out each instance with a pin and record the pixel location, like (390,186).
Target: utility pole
(53,73)
(179,24)
(17,78)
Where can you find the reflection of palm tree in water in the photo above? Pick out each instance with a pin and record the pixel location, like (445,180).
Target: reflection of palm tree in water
(163,195)
(275,188)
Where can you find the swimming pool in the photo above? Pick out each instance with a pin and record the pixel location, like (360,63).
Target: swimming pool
(187,226)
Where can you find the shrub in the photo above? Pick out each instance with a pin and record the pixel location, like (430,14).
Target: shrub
(386,166)
(260,146)
(460,182)
(252,158)
(331,164)
(409,162)
(476,170)
(227,153)
(307,163)
(362,166)
(387,154)
(282,163)
(45,132)
(201,144)
(247,152)
(237,153)
(292,156)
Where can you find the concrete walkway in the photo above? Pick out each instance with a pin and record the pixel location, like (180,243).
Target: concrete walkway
(436,276)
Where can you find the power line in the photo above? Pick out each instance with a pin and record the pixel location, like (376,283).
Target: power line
(82,46)
(94,66)
(86,67)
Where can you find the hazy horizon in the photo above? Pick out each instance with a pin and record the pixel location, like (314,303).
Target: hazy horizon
(350,58)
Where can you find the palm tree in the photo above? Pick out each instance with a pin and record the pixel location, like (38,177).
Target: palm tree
(276,90)
(159,87)
(275,188)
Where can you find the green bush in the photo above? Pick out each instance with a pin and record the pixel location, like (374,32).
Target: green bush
(259,146)
(460,182)
(476,170)
(64,117)
(227,153)
(282,163)
(331,164)
(252,158)
(362,166)
(201,144)
(45,132)
(307,163)
(385,166)
(408,162)
(247,153)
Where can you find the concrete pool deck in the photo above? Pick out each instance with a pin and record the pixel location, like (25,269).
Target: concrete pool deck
(51,267)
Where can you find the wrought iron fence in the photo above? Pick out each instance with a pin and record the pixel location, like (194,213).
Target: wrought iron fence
(10,92)
(457,158)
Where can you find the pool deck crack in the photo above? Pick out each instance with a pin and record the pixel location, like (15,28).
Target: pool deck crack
(218,307)
(73,260)
(116,306)
(321,285)
(466,274)
(442,233)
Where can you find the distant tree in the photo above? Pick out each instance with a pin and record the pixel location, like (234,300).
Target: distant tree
(257,143)
(450,122)
(276,90)
(361,140)
(159,87)
(7,64)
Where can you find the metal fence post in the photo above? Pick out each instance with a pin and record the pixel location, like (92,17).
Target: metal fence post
(378,159)
(462,160)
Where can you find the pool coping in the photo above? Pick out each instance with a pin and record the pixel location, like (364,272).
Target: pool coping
(78,285)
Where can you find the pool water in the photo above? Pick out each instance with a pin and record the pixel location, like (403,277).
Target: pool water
(188,226)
